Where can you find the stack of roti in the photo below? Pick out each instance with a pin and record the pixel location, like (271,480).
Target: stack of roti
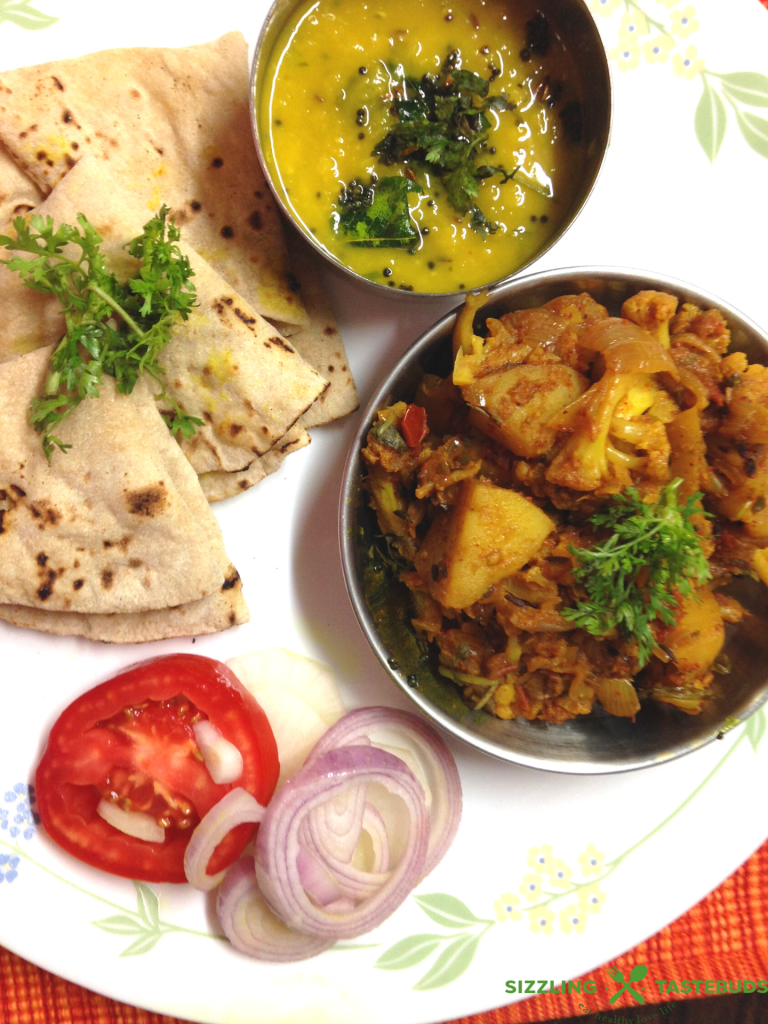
(114,136)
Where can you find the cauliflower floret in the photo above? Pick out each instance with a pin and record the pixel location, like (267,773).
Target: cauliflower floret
(652,311)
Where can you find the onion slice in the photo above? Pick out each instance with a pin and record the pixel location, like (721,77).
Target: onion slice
(238,807)
(132,823)
(222,758)
(324,778)
(251,926)
(435,768)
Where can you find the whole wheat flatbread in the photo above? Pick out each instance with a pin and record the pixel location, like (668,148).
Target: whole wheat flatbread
(117,524)
(320,342)
(171,125)
(217,486)
(222,609)
(18,193)
(225,365)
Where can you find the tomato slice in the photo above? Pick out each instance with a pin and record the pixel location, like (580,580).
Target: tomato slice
(130,741)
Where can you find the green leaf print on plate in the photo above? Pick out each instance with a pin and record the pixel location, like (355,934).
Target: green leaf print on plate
(23,14)
(641,36)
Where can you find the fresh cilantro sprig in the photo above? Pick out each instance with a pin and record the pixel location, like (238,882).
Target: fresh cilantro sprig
(651,557)
(112,327)
(443,126)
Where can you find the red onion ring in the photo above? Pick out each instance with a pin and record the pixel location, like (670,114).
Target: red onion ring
(395,728)
(251,926)
(236,808)
(323,778)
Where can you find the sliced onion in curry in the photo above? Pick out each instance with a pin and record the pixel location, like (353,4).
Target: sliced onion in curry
(627,348)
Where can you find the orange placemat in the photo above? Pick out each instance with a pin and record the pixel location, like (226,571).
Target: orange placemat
(725,937)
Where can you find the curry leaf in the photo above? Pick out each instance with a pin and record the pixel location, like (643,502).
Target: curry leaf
(451,963)
(408,952)
(448,911)
(385,222)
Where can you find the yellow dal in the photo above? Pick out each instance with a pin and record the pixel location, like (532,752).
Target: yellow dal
(314,89)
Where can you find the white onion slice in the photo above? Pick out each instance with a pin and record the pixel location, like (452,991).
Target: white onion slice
(389,729)
(132,823)
(222,758)
(236,808)
(251,926)
(291,673)
(324,779)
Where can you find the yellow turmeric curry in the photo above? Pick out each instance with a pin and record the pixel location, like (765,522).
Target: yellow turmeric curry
(566,507)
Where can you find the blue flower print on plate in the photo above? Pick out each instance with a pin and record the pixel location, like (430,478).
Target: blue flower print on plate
(18,820)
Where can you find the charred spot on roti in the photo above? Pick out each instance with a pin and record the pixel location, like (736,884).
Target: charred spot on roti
(217,162)
(196,206)
(17,491)
(75,145)
(232,618)
(247,320)
(243,485)
(329,331)
(2,517)
(255,220)
(41,154)
(147,501)
(207,417)
(227,232)
(46,588)
(66,117)
(107,543)
(42,558)
(277,340)
(69,161)
(135,94)
(107,578)
(293,282)
(57,83)
(330,369)
(77,584)
(228,301)
(231,580)
(235,428)
(135,563)
(180,217)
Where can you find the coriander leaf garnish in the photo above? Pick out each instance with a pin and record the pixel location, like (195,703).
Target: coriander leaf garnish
(377,216)
(443,126)
(652,556)
(111,327)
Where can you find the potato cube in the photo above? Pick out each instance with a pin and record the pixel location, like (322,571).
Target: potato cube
(490,533)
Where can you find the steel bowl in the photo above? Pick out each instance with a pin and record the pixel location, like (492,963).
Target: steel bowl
(592,744)
(573,23)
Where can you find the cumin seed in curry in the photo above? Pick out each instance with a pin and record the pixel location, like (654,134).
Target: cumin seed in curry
(427,146)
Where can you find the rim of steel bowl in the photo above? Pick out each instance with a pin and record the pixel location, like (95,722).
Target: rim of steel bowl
(590,744)
(574,22)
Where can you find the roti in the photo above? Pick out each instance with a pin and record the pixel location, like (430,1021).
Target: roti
(217,486)
(118,524)
(225,365)
(170,125)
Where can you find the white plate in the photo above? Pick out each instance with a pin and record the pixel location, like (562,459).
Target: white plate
(659,839)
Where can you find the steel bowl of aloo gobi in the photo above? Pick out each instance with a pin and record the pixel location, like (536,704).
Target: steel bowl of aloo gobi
(429,148)
(554,520)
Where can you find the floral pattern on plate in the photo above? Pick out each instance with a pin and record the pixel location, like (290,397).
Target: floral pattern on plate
(644,33)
